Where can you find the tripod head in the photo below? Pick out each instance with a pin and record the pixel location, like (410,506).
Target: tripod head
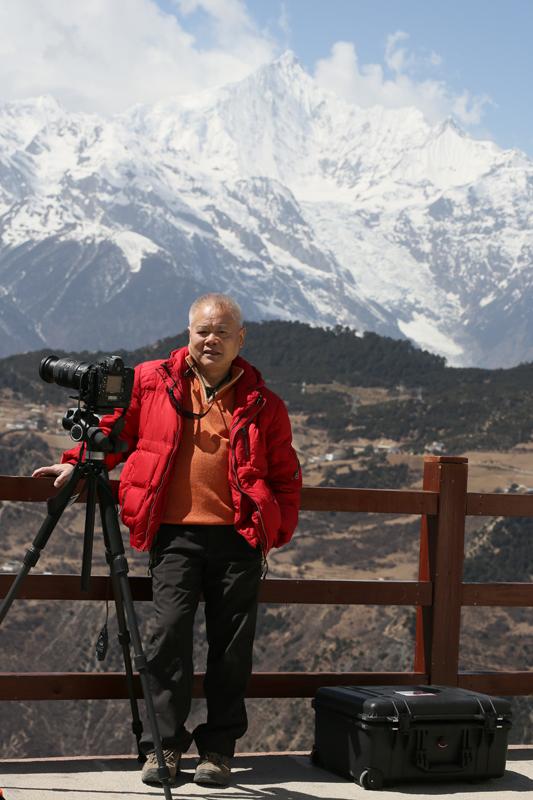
(83,426)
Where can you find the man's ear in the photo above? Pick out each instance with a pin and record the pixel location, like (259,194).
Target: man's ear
(242,335)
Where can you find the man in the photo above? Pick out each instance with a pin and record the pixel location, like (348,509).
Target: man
(210,484)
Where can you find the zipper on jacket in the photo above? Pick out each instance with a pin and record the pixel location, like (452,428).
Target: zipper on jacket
(259,401)
(263,544)
(246,441)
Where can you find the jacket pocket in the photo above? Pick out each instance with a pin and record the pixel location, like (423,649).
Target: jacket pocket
(140,468)
(267,515)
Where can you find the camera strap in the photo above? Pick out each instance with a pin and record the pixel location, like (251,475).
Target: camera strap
(184,412)
(211,392)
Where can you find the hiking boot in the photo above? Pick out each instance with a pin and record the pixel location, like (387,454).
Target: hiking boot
(213,769)
(150,772)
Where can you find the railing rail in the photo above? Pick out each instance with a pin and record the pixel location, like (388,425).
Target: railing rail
(439,594)
(382,593)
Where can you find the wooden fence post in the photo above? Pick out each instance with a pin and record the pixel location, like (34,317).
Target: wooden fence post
(441,561)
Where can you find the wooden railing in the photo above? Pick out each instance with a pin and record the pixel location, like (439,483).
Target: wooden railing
(439,594)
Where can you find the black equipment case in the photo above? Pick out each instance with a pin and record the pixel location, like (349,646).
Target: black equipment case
(381,735)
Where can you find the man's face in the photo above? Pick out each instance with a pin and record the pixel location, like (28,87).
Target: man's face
(215,338)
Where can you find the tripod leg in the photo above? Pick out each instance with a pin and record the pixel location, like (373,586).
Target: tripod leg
(125,641)
(89,534)
(55,505)
(119,567)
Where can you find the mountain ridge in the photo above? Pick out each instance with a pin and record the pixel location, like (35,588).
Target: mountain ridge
(275,190)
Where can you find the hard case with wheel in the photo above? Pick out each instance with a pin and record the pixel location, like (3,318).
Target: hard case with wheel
(383,735)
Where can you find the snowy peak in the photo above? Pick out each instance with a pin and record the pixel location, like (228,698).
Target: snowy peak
(283,74)
(278,123)
(445,158)
(21,121)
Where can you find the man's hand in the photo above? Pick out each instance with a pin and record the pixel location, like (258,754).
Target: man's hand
(61,471)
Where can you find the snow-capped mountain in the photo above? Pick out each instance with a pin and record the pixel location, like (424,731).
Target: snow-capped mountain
(299,204)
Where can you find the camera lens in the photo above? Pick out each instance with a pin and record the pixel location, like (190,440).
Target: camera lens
(63,371)
(46,368)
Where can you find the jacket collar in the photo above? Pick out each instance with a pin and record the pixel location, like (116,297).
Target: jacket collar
(226,383)
(250,382)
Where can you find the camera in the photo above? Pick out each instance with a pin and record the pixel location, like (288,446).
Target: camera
(102,386)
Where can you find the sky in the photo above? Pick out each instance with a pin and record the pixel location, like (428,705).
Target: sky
(469,59)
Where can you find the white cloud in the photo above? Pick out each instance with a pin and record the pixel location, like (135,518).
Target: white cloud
(234,29)
(397,58)
(368,84)
(105,55)
(469,109)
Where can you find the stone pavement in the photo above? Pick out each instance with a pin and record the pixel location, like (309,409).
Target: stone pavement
(269,776)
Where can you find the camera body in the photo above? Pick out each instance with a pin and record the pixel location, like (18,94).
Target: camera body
(102,386)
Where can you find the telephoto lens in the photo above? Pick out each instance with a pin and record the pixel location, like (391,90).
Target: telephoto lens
(64,371)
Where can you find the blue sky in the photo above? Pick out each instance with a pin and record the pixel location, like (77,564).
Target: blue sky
(471,59)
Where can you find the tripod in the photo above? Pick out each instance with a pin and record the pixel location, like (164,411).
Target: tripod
(93,470)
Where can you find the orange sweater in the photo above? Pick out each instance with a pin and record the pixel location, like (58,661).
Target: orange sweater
(199,492)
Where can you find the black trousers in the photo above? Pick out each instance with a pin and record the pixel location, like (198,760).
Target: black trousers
(186,561)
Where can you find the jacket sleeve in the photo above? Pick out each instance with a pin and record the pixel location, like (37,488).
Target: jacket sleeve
(129,433)
(284,472)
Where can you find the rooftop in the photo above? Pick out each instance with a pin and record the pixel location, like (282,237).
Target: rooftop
(281,776)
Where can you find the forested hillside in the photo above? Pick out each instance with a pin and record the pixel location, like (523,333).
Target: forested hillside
(321,373)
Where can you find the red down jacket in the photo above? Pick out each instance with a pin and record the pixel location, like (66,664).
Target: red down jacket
(264,473)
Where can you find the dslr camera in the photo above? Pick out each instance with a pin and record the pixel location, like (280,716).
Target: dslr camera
(102,386)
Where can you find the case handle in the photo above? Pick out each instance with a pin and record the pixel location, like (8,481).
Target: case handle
(423,763)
